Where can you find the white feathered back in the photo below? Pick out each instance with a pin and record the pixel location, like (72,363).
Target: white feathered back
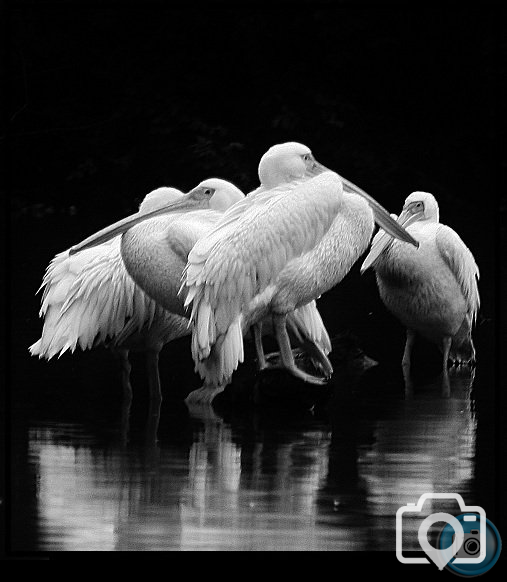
(89,297)
(462,263)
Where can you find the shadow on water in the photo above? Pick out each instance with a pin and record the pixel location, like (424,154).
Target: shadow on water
(251,477)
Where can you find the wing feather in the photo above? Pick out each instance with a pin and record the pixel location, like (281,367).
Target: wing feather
(462,264)
(89,296)
(246,251)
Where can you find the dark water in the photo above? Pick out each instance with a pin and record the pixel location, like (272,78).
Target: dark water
(312,470)
(248,480)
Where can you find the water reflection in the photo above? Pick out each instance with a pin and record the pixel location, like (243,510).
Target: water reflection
(429,446)
(255,481)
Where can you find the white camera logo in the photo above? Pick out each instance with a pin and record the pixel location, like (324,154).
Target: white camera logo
(441,557)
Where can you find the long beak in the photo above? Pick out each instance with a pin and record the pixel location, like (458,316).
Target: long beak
(382,239)
(187,202)
(380,214)
(316,168)
(382,217)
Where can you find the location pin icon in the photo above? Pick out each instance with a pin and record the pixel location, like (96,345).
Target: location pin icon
(441,557)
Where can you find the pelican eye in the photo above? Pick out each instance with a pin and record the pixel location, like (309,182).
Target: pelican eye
(209,191)
(415,207)
(306,157)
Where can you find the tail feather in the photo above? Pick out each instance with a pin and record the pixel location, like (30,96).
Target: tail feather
(224,356)
(63,331)
(88,298)
(47,347)
(36,348)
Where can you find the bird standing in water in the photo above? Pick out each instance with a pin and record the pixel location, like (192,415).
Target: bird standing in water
(100,296)
(90,300)
(432,290)
(271,254)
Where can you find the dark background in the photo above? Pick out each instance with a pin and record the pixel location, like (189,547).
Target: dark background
(104,104)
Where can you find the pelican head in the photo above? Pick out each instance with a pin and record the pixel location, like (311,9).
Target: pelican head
(225,193)
(159,197)
(287,162)
(419,206)
(201,197)
(291,161)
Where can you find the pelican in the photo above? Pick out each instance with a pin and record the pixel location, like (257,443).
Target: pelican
(91,299)
(269,256)
(156,260)
(433,290)
(278,256)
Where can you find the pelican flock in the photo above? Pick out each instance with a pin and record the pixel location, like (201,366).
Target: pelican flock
(216,264)
(271,254)
(433,290)
(96,297)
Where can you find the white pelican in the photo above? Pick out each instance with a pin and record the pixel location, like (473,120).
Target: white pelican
(278,256)
(286,164)
(91,299)
(432,290)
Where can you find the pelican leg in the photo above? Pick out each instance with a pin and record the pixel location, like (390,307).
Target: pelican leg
(317,355)
(314,351)
(307,345)
(446,385)
(406,363)
(286,355)
(151,432)
(261,358)
(126,368)
(153,377)
(273,358)
(126,402)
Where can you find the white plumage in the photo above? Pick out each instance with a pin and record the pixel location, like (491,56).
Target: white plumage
(282,167)
(90,299)
(155,253)
(432,290)
(287,247)
(123,290)
(224,277)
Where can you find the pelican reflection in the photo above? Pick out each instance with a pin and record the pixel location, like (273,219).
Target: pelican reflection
(255,481)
